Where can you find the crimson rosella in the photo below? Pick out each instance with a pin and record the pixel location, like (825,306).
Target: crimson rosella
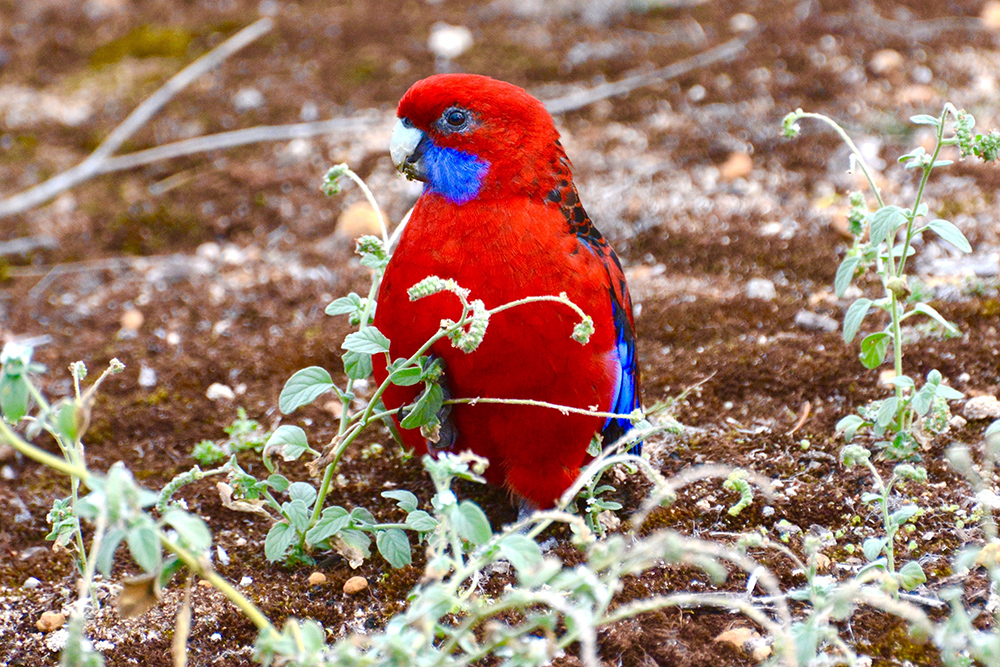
(500,215)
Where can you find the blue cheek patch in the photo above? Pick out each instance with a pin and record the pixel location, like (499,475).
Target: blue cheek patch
(456,175)
(625,399)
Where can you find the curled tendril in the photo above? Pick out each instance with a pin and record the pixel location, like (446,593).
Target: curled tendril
(331,181)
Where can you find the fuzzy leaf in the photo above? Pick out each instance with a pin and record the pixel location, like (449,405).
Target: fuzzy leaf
(845,274)
(367,341)
(279,540)
(303,388)
(950,233)
(357,366)
(291,439)
(522,552)
(394,546)
(421,521)
(406,501)
(332,521)
(425,410)
(855,316)
(874,347)
(885,222)
(471,523)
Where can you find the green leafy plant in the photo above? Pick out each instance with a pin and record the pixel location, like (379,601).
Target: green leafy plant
(897,421)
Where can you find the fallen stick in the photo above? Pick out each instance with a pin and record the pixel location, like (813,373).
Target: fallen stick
(91,166)
(26,244)
(102,160)
(578,100)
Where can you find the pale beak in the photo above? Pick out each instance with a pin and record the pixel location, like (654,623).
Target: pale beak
(406,147)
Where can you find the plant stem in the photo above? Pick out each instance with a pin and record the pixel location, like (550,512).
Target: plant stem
(205,572)
(42,456)
(854,149)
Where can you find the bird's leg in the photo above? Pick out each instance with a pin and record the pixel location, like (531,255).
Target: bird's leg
(445,432)
(525,508)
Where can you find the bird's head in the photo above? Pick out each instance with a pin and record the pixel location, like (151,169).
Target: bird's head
(469,136)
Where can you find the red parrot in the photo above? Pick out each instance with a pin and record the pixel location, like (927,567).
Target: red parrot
(500,215)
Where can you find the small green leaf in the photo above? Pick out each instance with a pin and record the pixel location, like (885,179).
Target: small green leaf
(144,545)
(887,412)
(901,381)
(14,396)
(845,274)
(407,376)
(424,411)
(849,425)
(367,341)
(361,517)
(303,388)
(930,312)
(522,552)
(924,119)
(332,521)
(854,317)
(291,439)
(297,513)
(394,546)
(911,575)
(421,521)
(903,514)
(357,366)
(471,523)
(874,347)
(278,482)
(279,540)
(950,233)
(192,530)
(885,222)
(406,501)
(345,305)
(302,491)
(872,548)
(106,552)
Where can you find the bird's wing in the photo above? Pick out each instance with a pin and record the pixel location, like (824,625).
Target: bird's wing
(627,391)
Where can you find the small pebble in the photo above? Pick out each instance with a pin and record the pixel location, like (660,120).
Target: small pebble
(317,578)
(737,165)
(7,473)
(31,582)
(886,60)
(981,407)
(147,377)
(132,319)
(219,392)
(760,288)
(990,15)
(742,22)
(805,319)
(355,585)
(449,41)
(246,581)
(357,220)
(51,620)
(247,99)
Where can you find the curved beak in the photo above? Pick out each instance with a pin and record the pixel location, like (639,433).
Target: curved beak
(406,147)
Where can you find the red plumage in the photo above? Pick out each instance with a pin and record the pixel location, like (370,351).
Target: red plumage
(523,234)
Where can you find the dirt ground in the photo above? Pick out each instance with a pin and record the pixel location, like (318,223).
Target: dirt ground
(215,268)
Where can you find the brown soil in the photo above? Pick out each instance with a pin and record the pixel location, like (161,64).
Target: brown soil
(232,260)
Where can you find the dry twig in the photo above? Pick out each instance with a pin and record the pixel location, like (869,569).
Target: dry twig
(96,161)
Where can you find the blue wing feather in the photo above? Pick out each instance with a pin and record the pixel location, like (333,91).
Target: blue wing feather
(626,397)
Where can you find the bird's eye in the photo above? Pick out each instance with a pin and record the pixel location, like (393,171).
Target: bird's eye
(407,122)
(456,118)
